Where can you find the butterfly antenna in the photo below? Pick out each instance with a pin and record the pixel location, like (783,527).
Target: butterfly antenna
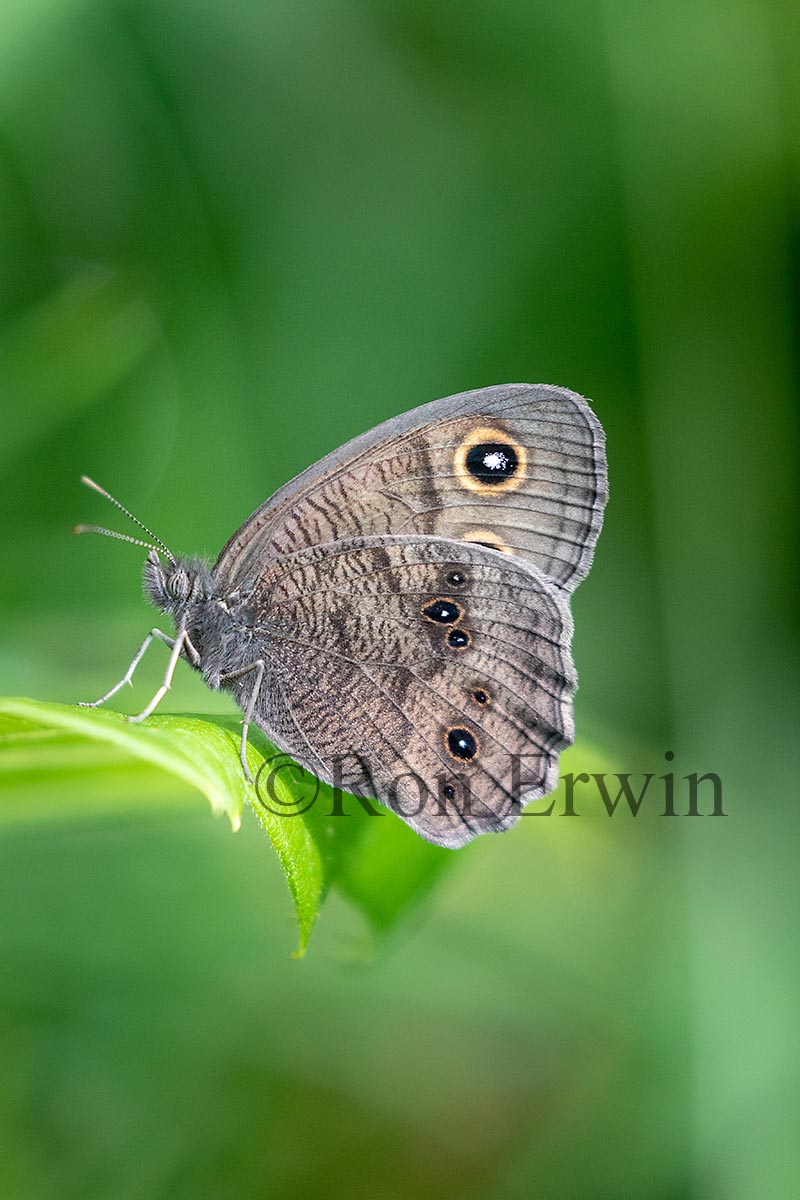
(122,537)
(90,483)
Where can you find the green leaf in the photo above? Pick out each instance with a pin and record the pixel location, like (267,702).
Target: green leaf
(76,759)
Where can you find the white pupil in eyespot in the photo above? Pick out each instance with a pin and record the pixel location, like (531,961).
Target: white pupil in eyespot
(495,460)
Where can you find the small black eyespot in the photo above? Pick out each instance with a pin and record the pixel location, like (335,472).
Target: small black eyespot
(455,579)
(458,639)
(480,696)
(443,611)
(449,791)
(461,743)
(492,462)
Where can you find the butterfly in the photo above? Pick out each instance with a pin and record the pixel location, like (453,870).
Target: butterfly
(396,618)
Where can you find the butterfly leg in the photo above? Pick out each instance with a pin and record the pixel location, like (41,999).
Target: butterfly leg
(259,667)
(181,642)
(128,676)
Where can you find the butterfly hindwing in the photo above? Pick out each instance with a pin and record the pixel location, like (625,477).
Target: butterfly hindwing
(432,674)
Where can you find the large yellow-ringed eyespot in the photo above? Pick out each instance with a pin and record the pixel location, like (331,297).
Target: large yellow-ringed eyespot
(490,461)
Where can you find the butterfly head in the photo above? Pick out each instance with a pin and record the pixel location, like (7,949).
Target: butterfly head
(177,584)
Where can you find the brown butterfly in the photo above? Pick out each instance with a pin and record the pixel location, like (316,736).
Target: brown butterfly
(397,617)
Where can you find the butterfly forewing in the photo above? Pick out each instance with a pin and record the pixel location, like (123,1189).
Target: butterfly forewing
(520,468)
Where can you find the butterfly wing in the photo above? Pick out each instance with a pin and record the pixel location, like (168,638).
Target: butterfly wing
(431,674)
(520,468)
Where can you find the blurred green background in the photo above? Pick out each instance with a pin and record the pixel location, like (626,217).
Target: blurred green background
(234,236)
